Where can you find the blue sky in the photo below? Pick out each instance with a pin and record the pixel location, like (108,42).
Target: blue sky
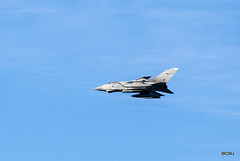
(53,53)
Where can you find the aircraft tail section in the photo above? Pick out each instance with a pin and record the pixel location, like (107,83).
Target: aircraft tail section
(165,76)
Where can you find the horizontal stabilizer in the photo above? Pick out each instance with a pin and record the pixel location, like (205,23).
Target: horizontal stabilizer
(162,87)
(167,91)
(157,93)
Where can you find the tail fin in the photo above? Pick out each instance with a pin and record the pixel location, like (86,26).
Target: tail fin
(166,75)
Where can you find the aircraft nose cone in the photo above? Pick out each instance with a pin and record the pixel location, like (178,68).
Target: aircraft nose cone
(176,69)
(98,88)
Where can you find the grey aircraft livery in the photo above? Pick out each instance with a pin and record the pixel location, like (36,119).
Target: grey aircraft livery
(145,87)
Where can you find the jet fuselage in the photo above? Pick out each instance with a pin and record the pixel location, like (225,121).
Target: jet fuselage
(144,86)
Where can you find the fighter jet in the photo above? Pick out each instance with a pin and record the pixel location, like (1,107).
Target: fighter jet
(144,86)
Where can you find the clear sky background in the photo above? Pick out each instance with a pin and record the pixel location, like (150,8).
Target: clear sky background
(53,53)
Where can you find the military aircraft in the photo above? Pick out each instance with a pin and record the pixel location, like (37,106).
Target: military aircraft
(144,86)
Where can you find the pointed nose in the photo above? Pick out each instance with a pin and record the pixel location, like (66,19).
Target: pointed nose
(98,88)
(176,69)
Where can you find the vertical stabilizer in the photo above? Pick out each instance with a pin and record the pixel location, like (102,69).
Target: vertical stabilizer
(165,76)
